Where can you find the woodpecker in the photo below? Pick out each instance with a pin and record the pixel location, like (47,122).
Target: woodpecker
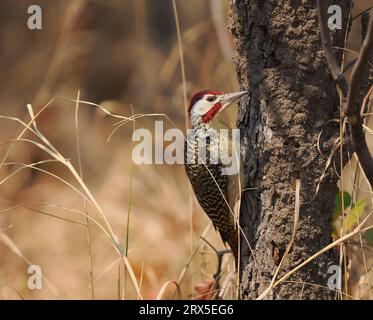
(204,164)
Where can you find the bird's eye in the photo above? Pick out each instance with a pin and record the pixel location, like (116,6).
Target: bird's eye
(211,99)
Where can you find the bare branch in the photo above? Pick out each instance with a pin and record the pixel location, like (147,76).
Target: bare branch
(352,92)
(351,110)
(366,11)
(356,74)
(334,68)
(364,24)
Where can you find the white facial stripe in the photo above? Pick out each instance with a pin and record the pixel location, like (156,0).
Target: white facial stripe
(202,106)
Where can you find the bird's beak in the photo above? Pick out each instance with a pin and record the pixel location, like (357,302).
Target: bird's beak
(228,98)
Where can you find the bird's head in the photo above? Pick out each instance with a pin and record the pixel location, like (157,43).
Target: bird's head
(206,105)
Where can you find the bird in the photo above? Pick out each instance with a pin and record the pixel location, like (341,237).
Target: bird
(205,165)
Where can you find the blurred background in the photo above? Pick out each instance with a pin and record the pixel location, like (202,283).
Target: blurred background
(117,54)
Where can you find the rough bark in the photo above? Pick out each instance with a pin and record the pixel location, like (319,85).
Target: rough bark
(292,96)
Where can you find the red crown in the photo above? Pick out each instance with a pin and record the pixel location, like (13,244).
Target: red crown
(200,95)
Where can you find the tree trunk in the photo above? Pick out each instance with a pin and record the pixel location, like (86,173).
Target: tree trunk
(292,96)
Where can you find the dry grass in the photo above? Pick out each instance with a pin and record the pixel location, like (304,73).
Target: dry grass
(84,188)
(72,201)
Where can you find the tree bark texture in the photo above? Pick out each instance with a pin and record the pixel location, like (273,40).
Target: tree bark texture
(292,96)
